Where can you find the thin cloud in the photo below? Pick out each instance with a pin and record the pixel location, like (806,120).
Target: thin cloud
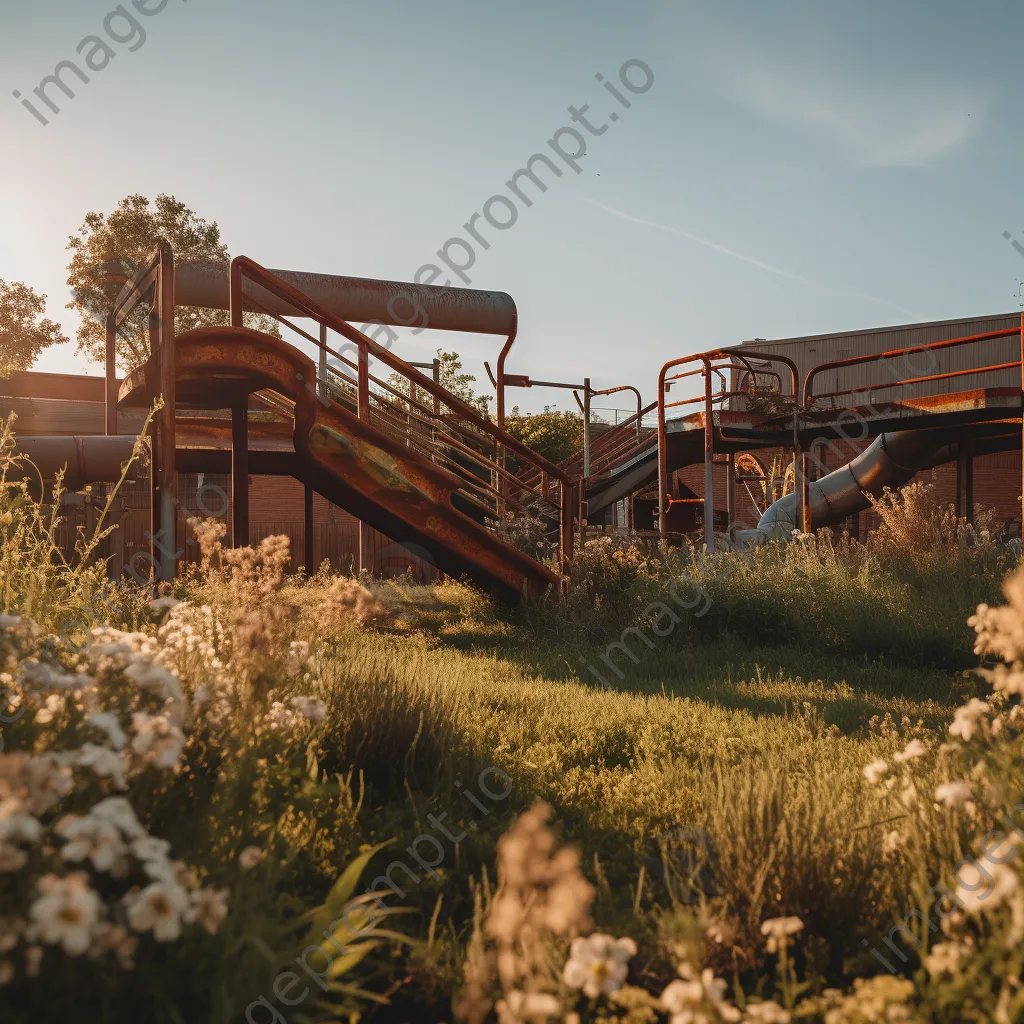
(902,121)
(760,264)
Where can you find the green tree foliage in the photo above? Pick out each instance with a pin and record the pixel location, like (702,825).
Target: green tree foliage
(555,435)
(24,333)
(109,249)
(450,377)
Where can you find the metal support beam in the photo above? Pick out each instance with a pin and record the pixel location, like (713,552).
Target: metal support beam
(586,426)
(730,487)
(110,378)
(240,473)
(365,549)
(965,480)
(322,363)
(307,536)
(709,456)
(164,477)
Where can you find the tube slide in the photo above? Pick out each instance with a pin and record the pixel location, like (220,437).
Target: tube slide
(890,461)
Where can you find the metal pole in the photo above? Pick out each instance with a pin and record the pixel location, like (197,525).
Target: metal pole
(110,378)
(240,472)
(1022,425)
(565,525)
(662,458)
(730,487)
(586,426)
(709,455)
(363,408)
(308,536)
(323,362)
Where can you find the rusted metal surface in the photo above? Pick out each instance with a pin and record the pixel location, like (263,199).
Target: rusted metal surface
(903,355)
(378,468)
(364,300)
(706,369)
(88,459)
(817,350)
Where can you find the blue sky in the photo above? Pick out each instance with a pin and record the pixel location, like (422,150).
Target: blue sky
(795,168)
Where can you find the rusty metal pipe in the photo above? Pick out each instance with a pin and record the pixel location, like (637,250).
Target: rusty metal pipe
(88,459)
(366,300)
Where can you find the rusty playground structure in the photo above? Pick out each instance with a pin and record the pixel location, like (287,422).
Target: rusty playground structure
(407,458)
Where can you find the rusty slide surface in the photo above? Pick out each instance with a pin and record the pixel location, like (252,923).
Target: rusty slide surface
(372,474)
(891,460)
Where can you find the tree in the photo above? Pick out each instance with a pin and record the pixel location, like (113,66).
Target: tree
(555,435)
(108,250)
(23,331)
(450,378)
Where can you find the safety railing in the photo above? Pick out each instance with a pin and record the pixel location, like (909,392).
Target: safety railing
(419,412)
(733,360)
(867,389)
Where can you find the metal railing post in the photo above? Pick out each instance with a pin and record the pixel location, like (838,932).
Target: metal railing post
(709,456)
(586,427)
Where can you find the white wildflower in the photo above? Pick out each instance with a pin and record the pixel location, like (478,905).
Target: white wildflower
(767,1013)
(780,928)
(598,964)
(91,838)
(106,763)
(986,893)
(66,913)
(873,772)
(311,708)
(149,848)
(53,707)
(250,857)
(119,812)
(111,725)
(208,908)
(157,739)
(158,908)
(945,958)
(518,1006)
(915,748)
(892,841)
(953,794)
(967,719)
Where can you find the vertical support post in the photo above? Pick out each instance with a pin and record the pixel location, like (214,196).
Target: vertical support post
(709,455)
(363,408)
(730,486)
(662,458)
(110,378)
(307,538)
(163,475)
(800,481)
(965,479)
(164,302)
(363,383)
(436,369)
(240,472)
(586,427)
(322,365)
(565,525)
(1022,425)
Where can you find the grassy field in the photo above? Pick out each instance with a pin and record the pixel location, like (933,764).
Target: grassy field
(700,788)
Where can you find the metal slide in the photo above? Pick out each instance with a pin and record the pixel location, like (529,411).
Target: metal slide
(890,461)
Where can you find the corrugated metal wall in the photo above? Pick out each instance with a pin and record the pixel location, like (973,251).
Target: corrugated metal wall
(813,350)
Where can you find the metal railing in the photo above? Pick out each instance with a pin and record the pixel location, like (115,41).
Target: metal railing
(710,399)
(809,397)
(418,410)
